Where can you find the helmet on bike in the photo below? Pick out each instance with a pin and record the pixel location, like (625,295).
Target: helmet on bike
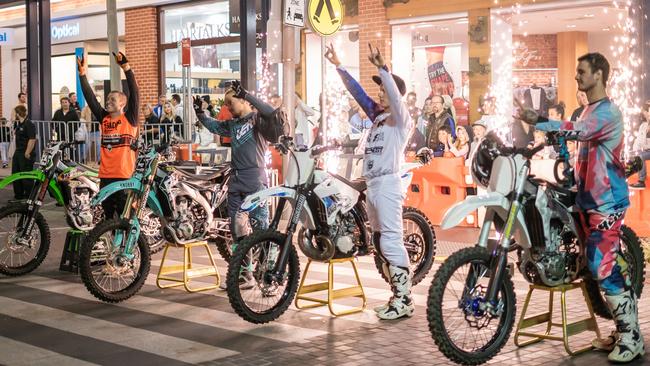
(485,155)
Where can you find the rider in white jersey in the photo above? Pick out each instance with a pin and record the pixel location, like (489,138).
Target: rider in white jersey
(383,157)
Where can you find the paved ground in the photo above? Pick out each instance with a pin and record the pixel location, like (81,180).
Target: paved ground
(48,318)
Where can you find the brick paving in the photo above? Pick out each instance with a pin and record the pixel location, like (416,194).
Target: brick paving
(48,318)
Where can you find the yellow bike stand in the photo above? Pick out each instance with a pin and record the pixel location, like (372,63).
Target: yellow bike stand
(189,270)
(332,294)
(568,329)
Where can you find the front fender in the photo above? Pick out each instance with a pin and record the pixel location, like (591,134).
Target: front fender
(495,200)
(128,185)
(252,201)
(33,174)
(37,175)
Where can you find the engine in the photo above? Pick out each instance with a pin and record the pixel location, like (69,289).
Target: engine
(190,221)
(341,241)
(556,262)
(81,214)
(343,234)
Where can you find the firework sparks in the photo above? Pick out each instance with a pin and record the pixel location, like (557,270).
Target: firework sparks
(626,67)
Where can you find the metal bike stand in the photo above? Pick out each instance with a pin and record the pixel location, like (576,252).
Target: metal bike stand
(332,294)
(568,329)
(188,269)
(70,255)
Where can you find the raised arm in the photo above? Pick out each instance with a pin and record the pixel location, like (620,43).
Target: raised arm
(221,128)
(598,125)
(87,91)
(366,103)
(269,122)
(133,101)
(397,107)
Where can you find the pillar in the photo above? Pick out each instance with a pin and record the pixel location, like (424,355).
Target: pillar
(570,46)
(141,41)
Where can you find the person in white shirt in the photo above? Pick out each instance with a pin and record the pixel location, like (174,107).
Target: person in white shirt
(383,157)
(304,127)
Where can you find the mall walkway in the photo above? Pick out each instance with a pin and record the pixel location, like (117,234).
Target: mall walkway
(48,318)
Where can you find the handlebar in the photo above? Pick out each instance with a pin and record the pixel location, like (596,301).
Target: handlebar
(318,150)
(526,152)
(285,144)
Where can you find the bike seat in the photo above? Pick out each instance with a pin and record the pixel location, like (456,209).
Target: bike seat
(358,184)
(219,172)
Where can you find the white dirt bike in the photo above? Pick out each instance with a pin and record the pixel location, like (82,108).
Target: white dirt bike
(331,211)
(536,220)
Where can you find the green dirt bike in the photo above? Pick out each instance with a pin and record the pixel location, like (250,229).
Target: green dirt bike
(24,231)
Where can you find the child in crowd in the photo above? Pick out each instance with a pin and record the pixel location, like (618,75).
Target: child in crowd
(460,148)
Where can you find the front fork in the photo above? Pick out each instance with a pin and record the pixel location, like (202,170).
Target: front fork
(35,201)
(278,271)
(499,261)
(132,210)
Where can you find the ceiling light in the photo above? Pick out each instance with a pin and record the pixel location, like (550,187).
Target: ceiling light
(606,29)
(589,15)
(571,26)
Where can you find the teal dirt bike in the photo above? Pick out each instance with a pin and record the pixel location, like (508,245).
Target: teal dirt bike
(24,232)
(114,258)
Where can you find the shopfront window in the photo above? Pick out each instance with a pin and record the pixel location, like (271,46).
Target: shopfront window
(215,50)
(64,80)
(433,60)
(546,41)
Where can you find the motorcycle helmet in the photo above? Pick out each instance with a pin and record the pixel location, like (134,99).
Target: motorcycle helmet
(486,153)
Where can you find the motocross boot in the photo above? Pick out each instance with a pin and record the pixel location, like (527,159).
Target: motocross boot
(630,342)
(400,303)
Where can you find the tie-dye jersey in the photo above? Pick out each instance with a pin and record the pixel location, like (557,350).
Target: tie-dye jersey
(599,171)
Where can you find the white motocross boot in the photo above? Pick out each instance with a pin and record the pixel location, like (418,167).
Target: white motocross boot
(630,342)
(401,303)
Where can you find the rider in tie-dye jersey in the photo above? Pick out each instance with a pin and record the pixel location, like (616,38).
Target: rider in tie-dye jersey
(602,199)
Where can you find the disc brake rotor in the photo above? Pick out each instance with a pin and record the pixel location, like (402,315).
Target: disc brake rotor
(476,308)
(414,246)
(13,243)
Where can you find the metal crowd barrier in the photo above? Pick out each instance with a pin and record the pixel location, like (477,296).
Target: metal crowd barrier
(89,133)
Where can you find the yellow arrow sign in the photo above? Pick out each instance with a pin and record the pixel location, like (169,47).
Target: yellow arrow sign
(325,16)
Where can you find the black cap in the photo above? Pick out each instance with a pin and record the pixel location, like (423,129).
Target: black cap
(401,85)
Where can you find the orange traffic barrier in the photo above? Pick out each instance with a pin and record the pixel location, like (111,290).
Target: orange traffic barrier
(637,215)
(437,186)
(183,154)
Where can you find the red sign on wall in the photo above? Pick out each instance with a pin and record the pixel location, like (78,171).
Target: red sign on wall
(185,52)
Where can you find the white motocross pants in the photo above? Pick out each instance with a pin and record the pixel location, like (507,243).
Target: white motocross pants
(384,200)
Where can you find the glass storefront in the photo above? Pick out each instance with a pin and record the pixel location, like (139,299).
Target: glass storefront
(215,50)
(436,60)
